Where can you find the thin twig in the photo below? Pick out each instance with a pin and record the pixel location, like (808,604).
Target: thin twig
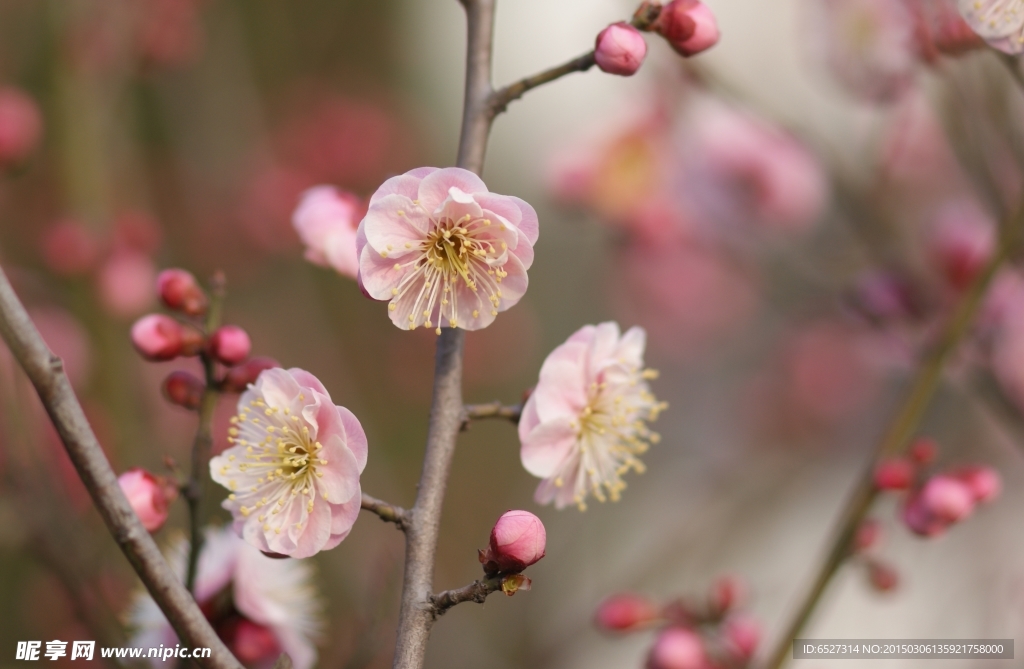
(473,412)
(477,591)
(897,437)
(46,371)
(193,490)
(387,512)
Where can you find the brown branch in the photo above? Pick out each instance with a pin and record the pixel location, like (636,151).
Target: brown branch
(500,99)
(46,371)
(473,412)
(477,591)
(387,512)
(897,437)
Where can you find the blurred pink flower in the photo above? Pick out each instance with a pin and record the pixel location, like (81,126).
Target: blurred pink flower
(983,482)
(326,220)
(620,49)
(678,648)
(259,606)
(947,499)
(230,345)
(625,611)
(148,495)
(125,283)
(169,32)
(998,22)
(742,634)
(869,45)
(69,248)
(21,126)
(517,540)
(443,250)
(68,339)
(294,465)
(738,170)
(585,423)
(941,30)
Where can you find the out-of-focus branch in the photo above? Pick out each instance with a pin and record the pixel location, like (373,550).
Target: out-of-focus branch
(46,371)
(193,490)
(477,591)
(387,512)
(897,436)
(473,412)
(500,99)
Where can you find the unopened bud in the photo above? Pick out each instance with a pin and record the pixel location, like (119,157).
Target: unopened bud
(947,498)
(517,541)
(230,345)
(742,634)
(677,648)
(157,337)
(924,450)
(183,389)
(688,25)
(238,378)
(983,482)
(620,49)
(894,474)
(883,577)
(180,291)
(148,495)
(920,520)
(625,611)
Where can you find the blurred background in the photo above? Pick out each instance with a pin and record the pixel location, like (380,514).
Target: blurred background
(791,216)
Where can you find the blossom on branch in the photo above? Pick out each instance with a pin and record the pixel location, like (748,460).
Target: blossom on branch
(998,22)
(326,220)
(443,250)
(585,423)
(293,467)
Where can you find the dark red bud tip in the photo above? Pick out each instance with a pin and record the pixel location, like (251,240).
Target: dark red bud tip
(180,291)
(238,378)
(183,389)
(230,345)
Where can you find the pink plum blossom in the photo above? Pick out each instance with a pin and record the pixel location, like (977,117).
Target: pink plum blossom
(942,30)
(293,467)
(998,22)
(620,49)
(260,607)
(443,250)
(149,496)
(326,220)
(585,423)
(518,540)
(688,25)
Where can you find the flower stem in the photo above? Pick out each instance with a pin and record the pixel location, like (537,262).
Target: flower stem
(898,435)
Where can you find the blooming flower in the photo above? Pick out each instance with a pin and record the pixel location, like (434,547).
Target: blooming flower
(444,250)
(260,607)
(326,220)
(998,22)
(584,425)
(294,466)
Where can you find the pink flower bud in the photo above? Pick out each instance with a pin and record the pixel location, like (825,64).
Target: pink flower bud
(947,498)
(620,49)
(983,482)
(688,25)
(517,541)
(183,389)
(230,345)
(920,520)
(148,495)
(924,450)
(21,126)
(677,648)
(157,337)
(180,291)
(238,378)
(625,611)
(742,634)
(867,536)
(726,594)
(883,578)
(894,474)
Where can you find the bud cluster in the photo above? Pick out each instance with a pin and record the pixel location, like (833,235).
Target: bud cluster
(704,633)
(687,25)
(160,337)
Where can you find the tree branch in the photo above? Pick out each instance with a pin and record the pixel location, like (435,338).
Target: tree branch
(477,591)
(897,436)
(473,412)
(387,512)
(46,371)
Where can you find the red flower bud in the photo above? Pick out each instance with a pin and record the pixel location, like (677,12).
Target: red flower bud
(183,389)
(238,378)
(230,345)
(180,291)
(688,25)
(517,541)
(620,49)
(157,337)
(894,474)
(148,495)
(625,611)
